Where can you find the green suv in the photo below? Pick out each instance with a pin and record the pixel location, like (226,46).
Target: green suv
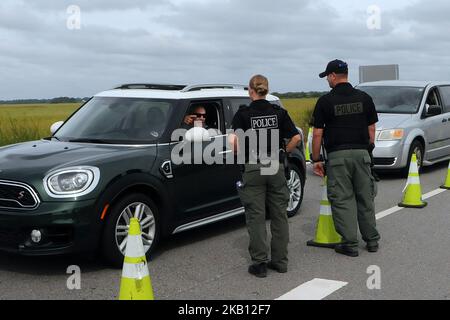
(74,192)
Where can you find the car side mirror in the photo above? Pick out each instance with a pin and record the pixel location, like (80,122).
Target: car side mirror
(197,134)
(54,127)
(433,110)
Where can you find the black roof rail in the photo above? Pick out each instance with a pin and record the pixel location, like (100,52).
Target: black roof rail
(197,87)
(153,86)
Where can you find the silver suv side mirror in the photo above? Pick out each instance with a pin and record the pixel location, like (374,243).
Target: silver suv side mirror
(54,127)
(433,110)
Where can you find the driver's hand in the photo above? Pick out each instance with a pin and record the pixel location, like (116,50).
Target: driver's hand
(189,120)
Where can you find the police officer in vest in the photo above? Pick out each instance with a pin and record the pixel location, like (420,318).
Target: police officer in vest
(257,189)
(345,119)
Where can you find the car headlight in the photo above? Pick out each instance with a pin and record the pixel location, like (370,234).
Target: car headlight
(390,135)
(71,182)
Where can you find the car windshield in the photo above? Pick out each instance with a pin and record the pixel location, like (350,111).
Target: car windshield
(118,120)
(390,99)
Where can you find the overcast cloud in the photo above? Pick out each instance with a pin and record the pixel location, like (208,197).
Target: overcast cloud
(200,41)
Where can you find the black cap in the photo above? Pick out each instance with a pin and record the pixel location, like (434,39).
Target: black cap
(335,66)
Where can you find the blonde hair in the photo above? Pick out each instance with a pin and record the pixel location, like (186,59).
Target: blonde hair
(260,84)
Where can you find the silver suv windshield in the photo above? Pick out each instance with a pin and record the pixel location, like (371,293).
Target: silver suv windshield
(118,120)
(392,99)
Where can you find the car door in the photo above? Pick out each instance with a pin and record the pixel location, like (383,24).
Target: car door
(202,187)
(445,95)
(435,127)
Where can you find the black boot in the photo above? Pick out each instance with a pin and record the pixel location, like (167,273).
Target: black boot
(258,269)
(345,250)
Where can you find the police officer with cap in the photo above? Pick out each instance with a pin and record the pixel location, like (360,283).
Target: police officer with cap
(258,190)
(345,119)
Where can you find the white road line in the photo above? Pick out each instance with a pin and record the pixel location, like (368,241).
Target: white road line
(390,211)
(433,193)
(387,212)
(316,289)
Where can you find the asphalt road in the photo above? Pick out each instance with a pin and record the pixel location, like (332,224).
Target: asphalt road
(211,262)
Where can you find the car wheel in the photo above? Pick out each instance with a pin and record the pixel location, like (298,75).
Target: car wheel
(418,149)
(296,185)
(115,234)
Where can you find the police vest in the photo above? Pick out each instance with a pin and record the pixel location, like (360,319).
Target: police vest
(347,125)
(262,116)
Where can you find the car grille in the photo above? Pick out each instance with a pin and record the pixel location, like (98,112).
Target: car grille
(384,161)
(15,195)
(11,238)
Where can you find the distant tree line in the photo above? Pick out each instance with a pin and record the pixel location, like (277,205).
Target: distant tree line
(298,95)
(45,101)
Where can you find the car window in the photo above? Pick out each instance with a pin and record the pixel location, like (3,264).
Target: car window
(395,99)
(119,120)
(237,102)
(433,98)
(445,93)
(213,119)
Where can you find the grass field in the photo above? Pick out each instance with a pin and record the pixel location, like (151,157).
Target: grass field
(20,123)
(28,122)
(300,111)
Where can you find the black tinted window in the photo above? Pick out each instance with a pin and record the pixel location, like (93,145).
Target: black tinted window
(237,102)
(445,93)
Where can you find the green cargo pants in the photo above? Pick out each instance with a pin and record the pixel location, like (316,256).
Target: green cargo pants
(351,192)
(257,193)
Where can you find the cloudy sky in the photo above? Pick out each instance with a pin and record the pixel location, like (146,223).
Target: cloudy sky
(44,54)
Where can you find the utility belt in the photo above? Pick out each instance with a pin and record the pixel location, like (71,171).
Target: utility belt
(282,159)
(347,147)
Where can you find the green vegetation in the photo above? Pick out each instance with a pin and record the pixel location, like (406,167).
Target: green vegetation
(301,111)
(43,101)
(299,95)
(26,122)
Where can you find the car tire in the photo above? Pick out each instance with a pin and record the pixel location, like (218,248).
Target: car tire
(417,147)
(116,229)
(296,185)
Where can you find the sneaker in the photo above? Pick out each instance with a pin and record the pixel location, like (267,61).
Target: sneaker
(277,268)
(373,247)
(258,269)
(342,249)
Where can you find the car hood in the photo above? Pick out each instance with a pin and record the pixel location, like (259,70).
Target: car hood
(392,121)
(25,161)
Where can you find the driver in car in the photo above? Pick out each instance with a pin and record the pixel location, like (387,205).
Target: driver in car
(196,118)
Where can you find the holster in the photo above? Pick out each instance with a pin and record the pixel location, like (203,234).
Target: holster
(285,161)
(372,165)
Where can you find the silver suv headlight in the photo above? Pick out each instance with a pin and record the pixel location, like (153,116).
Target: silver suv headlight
(71,182)
(390,135)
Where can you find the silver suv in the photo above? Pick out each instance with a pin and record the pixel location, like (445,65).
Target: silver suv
(414,117)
